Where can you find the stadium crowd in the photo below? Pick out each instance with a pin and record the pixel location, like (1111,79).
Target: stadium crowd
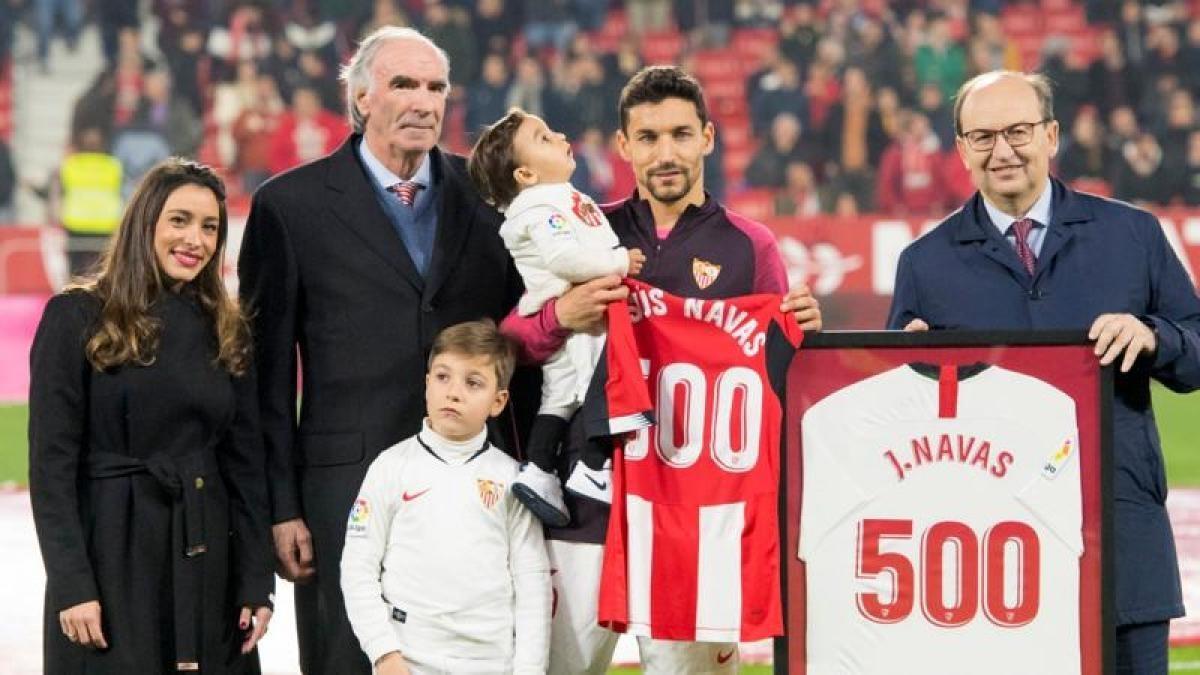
(835,106)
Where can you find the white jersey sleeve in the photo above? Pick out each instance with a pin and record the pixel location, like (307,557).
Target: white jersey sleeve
(564,252)
(362,558)
(530,568)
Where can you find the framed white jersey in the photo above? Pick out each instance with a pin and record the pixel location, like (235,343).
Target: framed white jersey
(939,514)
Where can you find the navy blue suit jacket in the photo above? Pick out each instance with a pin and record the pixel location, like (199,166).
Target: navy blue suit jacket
(1099,256)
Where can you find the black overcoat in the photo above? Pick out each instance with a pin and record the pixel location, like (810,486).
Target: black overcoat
(148,494)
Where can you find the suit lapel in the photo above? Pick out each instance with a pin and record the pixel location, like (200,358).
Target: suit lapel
(355,204)
(456,217)
(1067,210)
(976,229)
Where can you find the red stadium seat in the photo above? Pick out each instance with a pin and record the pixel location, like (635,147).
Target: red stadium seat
(1057,5)
(1021,21)
(754,42)
(1096,186)
(718,64)
(1070,21)
(662,47)
(736,136)
(736,161)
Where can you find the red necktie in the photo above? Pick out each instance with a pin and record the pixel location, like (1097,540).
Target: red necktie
(406,191)
(1021,229)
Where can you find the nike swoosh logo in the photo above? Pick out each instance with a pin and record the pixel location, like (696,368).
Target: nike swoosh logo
(408,497)
(722,658)
(600,485)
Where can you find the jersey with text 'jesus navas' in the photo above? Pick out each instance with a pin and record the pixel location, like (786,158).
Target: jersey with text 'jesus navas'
(692,551)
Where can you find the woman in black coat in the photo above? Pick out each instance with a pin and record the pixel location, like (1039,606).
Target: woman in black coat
(145,465)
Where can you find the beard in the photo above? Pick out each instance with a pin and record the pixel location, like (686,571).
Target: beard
(669,194)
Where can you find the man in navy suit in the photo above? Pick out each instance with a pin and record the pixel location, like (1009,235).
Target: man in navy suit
(1026,252)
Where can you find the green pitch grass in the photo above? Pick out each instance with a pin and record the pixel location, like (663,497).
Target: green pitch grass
(14,445)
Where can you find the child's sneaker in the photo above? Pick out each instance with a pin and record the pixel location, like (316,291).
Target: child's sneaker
(591,483)
(541,493)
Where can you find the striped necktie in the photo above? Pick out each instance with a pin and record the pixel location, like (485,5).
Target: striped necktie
(1021,229)
(406,191)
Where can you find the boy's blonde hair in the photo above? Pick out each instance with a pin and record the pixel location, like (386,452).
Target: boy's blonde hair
(478,338)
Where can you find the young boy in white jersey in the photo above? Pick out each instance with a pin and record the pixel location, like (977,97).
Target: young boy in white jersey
(443,571)
(557,237)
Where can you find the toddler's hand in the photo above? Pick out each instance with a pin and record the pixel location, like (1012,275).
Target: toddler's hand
(636,260)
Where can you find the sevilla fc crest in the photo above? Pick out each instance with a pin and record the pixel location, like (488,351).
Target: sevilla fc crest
(585,209)
(490,492)
(704,272)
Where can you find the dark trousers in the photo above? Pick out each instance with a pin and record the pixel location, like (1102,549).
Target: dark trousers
(1142,648)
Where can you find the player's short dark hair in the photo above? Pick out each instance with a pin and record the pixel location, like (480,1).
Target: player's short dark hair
(655,84)
(493,161)
(478,338)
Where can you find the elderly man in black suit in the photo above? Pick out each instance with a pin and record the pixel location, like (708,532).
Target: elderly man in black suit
(358,260)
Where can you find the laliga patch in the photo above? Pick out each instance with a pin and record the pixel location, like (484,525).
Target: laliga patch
(490,492)
(1058,460)
(360,514)
(557,223)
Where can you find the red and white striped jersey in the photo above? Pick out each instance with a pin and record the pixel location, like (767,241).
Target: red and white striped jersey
(692,547)
(941,524)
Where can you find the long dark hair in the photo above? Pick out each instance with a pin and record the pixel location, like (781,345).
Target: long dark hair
(128,279)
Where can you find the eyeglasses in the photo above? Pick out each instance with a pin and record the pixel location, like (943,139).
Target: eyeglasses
(1015,135)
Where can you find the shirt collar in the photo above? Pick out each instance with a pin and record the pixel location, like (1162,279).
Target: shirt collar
(1040,211)
(384,177)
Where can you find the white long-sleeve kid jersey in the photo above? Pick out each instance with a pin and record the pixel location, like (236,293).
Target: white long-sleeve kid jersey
(441,561)
(558,237)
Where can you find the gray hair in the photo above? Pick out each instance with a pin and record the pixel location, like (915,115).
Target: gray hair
(356,74)
(1040,83)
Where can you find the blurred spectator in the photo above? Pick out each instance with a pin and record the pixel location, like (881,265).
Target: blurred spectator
(9,11)
(548,24)
(854,135)
(768,166)
(1139,175)
(383,13)
(169,115)
(305,132)
(938,112)
(875,52)
(940,60)
(450,27)
(486,101)
(1190,178)
(1163,56)
(1065,67)
(309,32)
(318,74)
(113,97)
(648,16)
(242,37)
(1132,31)
(47,13)
(823,90)
(88,198)
(182,30)
(1084,155)
(494,22)
(990,49)
(799,197)
(528,90)
(887,106)
(706,22)
(714,169)
(229,100)
(114,18)
(798,34)
(1112,82)
(254,132)
(138,146)
(624,182)
(1181,121)
(1122,128)
(593,171)
(1152,109)
(779,90)
(1190,57)
(910,180)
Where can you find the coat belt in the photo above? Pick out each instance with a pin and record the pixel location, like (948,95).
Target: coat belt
(182,478)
